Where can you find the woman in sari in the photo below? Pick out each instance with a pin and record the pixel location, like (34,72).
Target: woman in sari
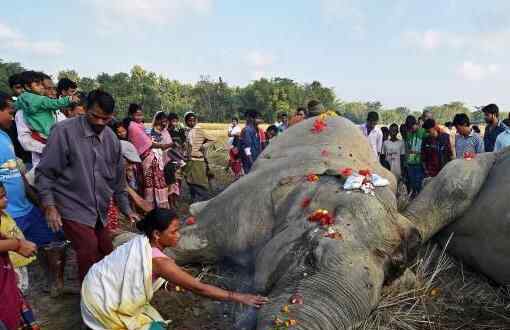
(155,189)
(113,299)
(160,134)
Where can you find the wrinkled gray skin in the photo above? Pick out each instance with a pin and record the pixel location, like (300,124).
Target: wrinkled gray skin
(259,223)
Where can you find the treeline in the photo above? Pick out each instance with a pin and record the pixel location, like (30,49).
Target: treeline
(216,101)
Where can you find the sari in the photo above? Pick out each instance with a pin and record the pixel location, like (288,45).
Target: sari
(155,189)
(15,313)
(117,291)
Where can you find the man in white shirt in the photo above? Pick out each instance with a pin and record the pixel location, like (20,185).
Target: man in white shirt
(373,133)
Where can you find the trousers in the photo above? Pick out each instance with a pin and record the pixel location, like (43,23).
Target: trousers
(91,244)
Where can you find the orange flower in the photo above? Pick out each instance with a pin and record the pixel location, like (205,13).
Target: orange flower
(334,235)
(435,292)
(365,172)
(278,321)
(312,177)
(345,171)
(321,216)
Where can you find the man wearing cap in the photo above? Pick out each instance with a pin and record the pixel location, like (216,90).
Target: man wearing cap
(196,169)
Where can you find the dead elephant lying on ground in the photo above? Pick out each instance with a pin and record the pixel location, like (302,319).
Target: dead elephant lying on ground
(262,222)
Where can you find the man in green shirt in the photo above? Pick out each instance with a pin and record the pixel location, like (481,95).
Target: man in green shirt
(414,138)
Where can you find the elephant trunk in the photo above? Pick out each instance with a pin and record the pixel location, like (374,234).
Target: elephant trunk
(439,204)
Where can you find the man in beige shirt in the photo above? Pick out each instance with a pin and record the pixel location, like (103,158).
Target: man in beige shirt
(196,171)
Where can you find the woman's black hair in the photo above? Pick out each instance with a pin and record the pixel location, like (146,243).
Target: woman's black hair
(64,84)
(115,124)
(172,116)
(133,108)
(157,219)
(160,116)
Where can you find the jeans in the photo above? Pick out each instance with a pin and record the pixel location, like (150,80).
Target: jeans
(415,176)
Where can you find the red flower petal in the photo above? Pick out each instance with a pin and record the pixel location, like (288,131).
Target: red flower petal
(468,155)
(346,171)
(365,172)
(191,221)
(318,126)
(306,202)
(312,177)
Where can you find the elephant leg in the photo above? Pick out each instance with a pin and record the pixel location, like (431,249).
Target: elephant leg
(449,195)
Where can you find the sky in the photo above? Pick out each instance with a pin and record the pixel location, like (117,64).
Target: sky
(402,53)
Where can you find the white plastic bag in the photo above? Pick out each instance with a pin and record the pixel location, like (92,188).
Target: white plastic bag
(379,181)
(354,181)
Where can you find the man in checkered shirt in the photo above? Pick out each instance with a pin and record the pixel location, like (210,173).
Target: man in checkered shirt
(466,140)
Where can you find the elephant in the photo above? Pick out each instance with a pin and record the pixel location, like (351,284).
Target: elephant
(330,276)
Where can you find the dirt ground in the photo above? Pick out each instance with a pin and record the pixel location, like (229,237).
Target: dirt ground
(440,294)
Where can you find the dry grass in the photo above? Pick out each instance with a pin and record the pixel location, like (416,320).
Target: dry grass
(439,293)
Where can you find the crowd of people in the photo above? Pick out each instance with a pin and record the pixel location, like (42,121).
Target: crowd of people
(424,146)
(68,168)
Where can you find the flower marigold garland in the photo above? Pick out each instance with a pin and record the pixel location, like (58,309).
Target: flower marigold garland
(319,125)
(323,217)
(328,114)
(312,177)
(284,321)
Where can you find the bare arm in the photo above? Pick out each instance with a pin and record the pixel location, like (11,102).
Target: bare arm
(163,146)
(170,271)
(139,201)
(21,246)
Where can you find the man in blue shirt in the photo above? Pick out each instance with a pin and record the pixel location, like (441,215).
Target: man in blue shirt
(503,139)
(494,126)
(28,217)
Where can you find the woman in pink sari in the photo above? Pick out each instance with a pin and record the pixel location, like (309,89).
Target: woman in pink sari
(161,135)
(155,189)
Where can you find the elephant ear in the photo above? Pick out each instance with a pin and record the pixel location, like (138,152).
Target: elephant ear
(447,197)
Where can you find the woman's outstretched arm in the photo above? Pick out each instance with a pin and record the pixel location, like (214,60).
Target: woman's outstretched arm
(169,270)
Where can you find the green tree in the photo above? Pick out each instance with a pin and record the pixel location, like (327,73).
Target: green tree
(70,74)
(6,70)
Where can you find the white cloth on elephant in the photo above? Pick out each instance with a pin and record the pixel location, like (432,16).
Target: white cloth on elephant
(117,290)
(355,181)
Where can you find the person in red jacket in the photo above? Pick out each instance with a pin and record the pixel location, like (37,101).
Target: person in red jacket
(436,150)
